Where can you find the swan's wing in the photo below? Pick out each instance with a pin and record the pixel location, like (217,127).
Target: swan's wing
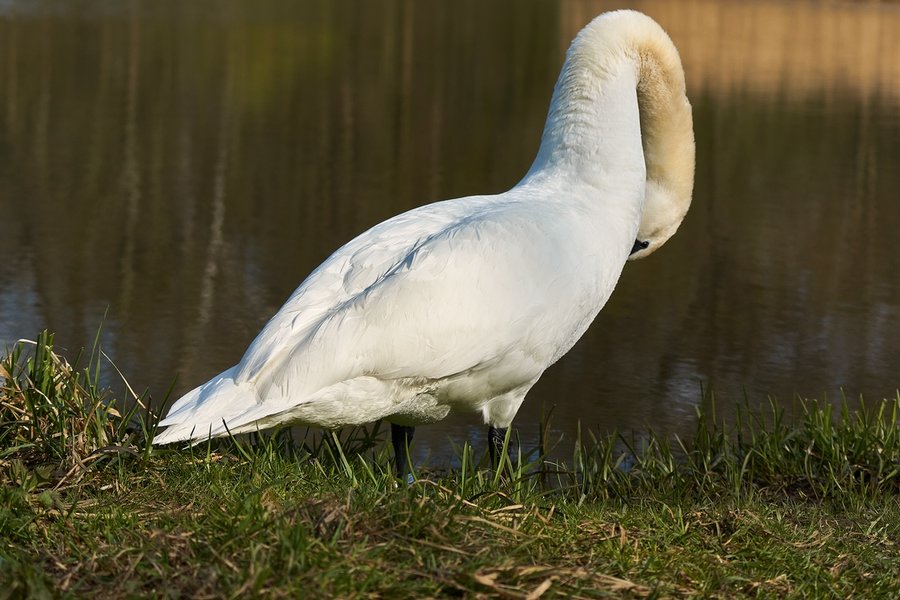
(487,286)
(350,270)
(354,269)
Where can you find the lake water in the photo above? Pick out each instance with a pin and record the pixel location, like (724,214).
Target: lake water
(181,167)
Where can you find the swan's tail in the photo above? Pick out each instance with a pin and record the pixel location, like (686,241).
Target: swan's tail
(199,414)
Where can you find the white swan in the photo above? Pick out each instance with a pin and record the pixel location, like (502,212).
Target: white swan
(462,304)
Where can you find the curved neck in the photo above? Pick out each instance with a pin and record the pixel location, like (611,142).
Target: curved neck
(619,117)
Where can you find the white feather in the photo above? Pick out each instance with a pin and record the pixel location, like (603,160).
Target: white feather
(462,304)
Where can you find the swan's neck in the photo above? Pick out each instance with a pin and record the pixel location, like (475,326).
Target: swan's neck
(593,126)
(619,120)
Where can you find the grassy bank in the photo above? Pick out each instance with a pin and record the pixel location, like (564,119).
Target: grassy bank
(756,508)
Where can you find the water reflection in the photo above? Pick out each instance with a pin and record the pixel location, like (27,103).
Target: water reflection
(185,165)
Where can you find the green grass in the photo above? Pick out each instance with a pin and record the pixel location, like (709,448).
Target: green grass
(761,507)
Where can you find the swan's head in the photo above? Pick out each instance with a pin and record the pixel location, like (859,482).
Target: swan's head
(662,214)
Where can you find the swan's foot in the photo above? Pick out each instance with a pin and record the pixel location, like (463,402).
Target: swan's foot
(496,435)
(401,436)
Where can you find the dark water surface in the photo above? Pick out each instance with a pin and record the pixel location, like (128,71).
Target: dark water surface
(185,165)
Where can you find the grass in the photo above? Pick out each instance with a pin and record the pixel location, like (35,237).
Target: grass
(759,508)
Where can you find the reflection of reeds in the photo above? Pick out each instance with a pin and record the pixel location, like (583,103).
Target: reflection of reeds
(197,327)
(802,49)
(132,183)
(12,78)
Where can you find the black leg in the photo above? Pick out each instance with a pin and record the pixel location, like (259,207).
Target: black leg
(496,435)
(401,436)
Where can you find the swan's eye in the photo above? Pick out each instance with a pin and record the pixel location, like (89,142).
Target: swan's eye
(638,246)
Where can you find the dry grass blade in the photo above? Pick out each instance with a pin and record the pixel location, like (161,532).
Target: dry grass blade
(476,519)
(541,589)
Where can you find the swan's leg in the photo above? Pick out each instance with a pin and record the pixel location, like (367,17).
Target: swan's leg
(496,435)
(401,436)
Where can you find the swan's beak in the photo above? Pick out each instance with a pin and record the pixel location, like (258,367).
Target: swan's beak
(638,246)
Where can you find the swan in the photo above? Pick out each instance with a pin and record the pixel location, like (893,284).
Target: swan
(461,305)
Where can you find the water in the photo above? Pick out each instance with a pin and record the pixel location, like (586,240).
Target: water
(181,167)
